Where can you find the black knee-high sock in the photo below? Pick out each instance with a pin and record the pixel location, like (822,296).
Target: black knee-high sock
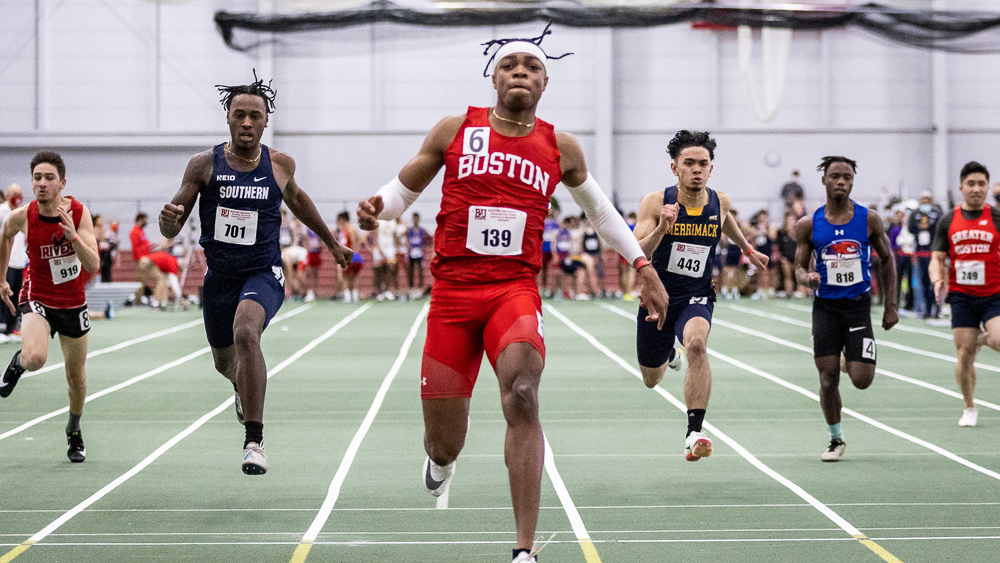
(519,551)
(695,419)
(254,432)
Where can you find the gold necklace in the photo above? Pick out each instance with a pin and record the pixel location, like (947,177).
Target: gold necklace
(251,161)
(494,110)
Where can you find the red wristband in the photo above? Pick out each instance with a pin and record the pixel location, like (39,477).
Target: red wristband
(640,263)
(76,238)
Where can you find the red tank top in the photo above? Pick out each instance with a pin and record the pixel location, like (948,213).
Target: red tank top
(494,200)
(54,276)
(974,249)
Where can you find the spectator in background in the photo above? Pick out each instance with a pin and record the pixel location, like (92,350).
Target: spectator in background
(402,249)
(314,260)
(626,274)
(105,248)
(348,235)
(792,192)
(293,254)
(785,243)
(15,269)
(902,245)
(549,232)
(416,240)
(140,248)
(593,262)
(996,193)
(763,241)
(922,223)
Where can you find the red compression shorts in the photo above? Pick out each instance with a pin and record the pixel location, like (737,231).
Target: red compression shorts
(164,262)
(464,321)
(314,259)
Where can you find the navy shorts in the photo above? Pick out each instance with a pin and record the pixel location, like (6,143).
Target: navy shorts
(73,323)
(653,346)
(222,295)
(844,325)
(969,311)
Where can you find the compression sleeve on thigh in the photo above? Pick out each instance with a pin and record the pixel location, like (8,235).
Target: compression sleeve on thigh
(606,220)
(396,199)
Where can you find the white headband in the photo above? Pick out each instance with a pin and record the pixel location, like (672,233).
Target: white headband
(518,47)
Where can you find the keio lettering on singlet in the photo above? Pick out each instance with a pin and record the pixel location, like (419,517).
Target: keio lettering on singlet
(495,162)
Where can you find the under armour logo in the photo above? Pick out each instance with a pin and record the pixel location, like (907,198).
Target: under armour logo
(423,381)
(838,232)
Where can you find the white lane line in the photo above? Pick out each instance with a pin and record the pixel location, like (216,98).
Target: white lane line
(184,434)
(137,378)
(575,520)
(930,386)
(845,410)
(120,345)
(799,491)
(345,464)
(878,341)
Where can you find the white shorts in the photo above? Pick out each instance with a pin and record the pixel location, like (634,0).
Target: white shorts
(295,254)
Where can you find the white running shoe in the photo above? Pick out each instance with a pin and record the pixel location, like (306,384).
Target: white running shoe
(254,459)
(680,358)
(437,487)
(524,557)
(697,445)
(969,417)
(310,297)
(834,451)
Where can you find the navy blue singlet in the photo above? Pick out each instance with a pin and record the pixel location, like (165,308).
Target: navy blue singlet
(684,257)
(240,217)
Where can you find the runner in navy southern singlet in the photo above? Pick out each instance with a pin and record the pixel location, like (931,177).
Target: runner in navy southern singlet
(680,228)
(242,184)
(62,251)
(839,234)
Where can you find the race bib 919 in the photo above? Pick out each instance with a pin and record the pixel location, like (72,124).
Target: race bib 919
(65,269)
(495,231)
(235,226)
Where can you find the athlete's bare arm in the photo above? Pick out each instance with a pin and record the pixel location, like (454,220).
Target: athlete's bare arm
(880,242)
(83,239)
(196,176)
(938,271)
(803,253)
(303,208)
(17,222)
(731,228)
(654,221)
(419,171)
(574,173)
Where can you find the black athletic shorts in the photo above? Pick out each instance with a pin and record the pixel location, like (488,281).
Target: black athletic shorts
(969,311)
(653,346)
(844,325)
(72,323)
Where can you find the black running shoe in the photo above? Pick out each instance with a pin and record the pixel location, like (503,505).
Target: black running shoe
(11,375)
(75,450)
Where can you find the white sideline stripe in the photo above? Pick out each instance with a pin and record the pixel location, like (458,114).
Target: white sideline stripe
(878,341)
(799,491)
(111,389)
(120,345)
(497,542)
(184,434)
(771,338)
(345,464)
(137,378)
(845,410)
(575,521)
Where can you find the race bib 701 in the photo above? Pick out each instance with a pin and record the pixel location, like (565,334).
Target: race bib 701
(235,226)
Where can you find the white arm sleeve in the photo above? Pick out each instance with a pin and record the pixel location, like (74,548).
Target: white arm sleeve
(396,198)
(606,220)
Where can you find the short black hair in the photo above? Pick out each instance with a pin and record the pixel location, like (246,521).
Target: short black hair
(973,168)
(344,216)
(684,139)
(49,157)
(140,216)
(828,160)
(257,88)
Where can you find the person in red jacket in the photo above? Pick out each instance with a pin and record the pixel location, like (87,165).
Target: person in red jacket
(62,251)
(969,235)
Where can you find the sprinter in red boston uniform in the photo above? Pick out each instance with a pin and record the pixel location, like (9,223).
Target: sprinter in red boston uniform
(501,166)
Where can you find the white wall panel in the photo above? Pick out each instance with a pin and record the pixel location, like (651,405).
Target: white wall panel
(17,65)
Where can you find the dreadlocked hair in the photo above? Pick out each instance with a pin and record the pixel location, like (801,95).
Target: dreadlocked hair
(828,160)
(257,88)
(684,139)
(501,42)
